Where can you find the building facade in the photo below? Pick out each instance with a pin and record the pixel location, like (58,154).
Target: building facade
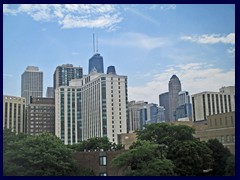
(174,87)
(134,119)
(94,106)
(31,83)
(184,109)
(222,127)
(151,113)
(164,101)
(50,92)
(210,103)
(99,162)
(96,63)
(41,116)
(63,74)
(14,113)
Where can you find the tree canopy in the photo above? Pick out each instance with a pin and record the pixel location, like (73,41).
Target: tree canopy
(144,159)
(220,156)
(96,143)
(43,155)
(173,146)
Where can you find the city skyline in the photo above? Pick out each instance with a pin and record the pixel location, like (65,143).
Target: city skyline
(147,43)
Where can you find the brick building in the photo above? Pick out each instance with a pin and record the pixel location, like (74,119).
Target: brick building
(99,162)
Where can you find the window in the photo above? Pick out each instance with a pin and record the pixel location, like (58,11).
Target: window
(103,160)
(102,174)
(222,139)
(228,138)
(233,138)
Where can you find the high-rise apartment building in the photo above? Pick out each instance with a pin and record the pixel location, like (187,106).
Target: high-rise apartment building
(63,74)
(14,113)
(41,116)
(94,106)
(164,101)
(50,92)
(96,64)
(174,86)
(32,83)
(134,119)
(210,103)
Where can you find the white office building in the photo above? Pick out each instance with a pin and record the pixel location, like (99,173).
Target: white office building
(94,106)
(210,103)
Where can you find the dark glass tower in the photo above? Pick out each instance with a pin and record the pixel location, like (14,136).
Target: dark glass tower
(174,86)
(65,73)
(111,70)
(164,101)
(96,63)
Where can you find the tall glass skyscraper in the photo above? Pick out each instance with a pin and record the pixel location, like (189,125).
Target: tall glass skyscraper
(96,64)
(32,83)
(174,86)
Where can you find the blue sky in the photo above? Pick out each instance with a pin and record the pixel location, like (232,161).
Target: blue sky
(148,43)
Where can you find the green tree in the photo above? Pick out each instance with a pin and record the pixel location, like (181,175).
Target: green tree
(165,133)
(230,166)
(144,159)
(96,143)
(220,155)
(190,157)
(43,155)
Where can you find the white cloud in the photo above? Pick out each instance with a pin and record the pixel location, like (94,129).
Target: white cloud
(211,38)
(194,77)
(231,51)
(71,15)
(138,40)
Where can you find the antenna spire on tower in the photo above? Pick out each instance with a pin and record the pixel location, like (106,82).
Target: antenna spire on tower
(97,43)
(93,44)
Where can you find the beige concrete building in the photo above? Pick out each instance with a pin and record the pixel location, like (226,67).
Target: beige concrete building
(221,127)
(14,113)
(127,139)
(210,103)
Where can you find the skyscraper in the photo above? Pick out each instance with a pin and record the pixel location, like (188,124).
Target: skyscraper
(134,120)
(111,70)
(94,106)
(164,101)
(63,74)
(96,63)
(174,86)
(184,109)
(50,92)
(32,83)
